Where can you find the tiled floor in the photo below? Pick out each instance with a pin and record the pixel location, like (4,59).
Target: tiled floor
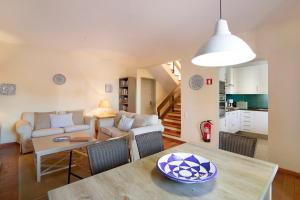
(285,186)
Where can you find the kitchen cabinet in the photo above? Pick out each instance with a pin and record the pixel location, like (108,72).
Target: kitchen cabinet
(223,124)
(251,79)
(232,121)
(245,120)
(260,122)
(254,121)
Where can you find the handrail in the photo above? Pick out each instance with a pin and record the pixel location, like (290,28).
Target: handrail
(172,98)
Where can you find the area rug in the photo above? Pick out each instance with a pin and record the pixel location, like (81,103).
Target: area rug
(29,189)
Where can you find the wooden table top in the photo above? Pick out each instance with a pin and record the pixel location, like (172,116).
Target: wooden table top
(45,145)
(239,177)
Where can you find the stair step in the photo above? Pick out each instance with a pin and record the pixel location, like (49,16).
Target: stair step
(172,133)
(172,117)
(173,128)
(172,124)
(173,121)
(176,114)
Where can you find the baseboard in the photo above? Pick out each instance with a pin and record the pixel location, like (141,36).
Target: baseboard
(5,145)
(286,171)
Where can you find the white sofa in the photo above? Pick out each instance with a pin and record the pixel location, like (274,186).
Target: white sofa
(142,124)
(26,129)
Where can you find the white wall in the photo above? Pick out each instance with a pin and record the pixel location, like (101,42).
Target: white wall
(161,93)
(200,105)
(32,68)
(279,43)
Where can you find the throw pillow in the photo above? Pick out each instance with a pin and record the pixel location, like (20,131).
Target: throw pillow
(77,117)
(120,114)
(61,121)
(42,120)
(125,123)
(144,120)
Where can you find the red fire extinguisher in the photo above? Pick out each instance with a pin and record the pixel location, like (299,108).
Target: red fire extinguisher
(205,128)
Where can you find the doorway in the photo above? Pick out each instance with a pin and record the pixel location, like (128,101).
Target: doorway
(148,103)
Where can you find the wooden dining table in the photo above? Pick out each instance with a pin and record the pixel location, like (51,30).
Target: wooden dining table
(238,177)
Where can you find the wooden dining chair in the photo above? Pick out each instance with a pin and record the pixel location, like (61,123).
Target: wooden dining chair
(149,143)
(108,154)
(237,144)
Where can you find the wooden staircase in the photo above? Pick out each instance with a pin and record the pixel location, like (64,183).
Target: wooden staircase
(172,121)
(169,111)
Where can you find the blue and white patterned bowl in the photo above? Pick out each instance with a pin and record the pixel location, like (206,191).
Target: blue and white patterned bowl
(186,168)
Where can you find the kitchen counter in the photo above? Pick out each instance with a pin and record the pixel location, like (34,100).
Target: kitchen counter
(251,109)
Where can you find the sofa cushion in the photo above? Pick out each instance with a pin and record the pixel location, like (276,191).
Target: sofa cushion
(125,123)
(61,120)
(42,120)
(46,132)
(120,114)
(144,120)
(77,116)
(74,128)
(112,131)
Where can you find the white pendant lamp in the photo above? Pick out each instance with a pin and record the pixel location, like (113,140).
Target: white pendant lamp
(223,48)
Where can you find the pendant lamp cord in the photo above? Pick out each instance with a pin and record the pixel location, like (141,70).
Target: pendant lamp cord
(220,9)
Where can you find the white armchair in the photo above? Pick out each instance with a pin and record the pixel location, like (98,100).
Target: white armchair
(108,127)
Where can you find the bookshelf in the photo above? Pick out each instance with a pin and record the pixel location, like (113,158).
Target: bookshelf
(127,94)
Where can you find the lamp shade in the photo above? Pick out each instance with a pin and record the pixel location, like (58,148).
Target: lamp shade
(104,104)
(223,49)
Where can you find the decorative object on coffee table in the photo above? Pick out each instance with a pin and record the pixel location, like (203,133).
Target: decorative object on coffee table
(196,82)
(59,79)
(7,89)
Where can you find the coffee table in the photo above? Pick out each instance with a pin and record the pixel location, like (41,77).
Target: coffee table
(45,146)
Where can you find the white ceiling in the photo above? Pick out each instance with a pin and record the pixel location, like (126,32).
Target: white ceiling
(145,32)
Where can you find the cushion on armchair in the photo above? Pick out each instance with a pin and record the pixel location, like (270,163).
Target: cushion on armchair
(125,123)
(123,113)
(112,131)
(144,120)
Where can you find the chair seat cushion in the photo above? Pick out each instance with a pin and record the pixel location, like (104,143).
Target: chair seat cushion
(74,128)
(46,132)
(112,131)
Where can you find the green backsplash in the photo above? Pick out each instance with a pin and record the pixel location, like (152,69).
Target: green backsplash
(254,100)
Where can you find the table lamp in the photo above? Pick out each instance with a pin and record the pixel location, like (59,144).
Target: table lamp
(105,108)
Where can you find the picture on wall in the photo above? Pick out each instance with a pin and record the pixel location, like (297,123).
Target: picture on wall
(108,88)
(7,89)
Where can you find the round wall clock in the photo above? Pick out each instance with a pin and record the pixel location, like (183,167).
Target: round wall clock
(59,79)
(196,82)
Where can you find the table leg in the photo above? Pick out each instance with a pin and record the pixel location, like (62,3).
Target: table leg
(268,195)
(70,167)
(38,167)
